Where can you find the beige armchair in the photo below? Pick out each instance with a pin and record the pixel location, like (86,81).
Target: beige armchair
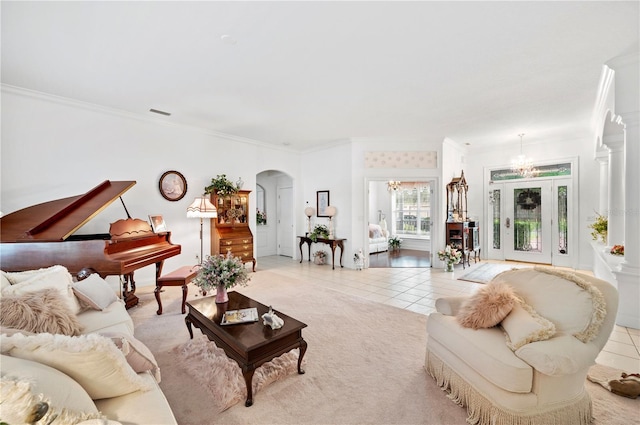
(526,370)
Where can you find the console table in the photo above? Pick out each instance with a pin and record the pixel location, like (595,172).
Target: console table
(333,243)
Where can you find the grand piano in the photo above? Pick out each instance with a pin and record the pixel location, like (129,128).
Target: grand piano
(44,235)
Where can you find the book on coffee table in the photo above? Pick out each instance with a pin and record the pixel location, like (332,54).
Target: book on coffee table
(244,315)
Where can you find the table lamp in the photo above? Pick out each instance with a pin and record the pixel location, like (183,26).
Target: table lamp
(309,211)
(330,212)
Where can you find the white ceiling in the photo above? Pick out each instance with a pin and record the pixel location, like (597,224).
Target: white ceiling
(303,74)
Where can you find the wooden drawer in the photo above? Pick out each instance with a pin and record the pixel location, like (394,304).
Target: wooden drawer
(236,241)
(238,252)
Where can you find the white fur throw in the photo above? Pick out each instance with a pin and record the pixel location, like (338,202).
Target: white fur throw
(487,307)
(40,311)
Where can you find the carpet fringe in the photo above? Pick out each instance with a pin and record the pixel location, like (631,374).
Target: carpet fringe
(481,411)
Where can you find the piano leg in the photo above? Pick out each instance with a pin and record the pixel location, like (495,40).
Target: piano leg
(129,296)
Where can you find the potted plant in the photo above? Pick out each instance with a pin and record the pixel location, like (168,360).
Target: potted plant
(261,217)
(221,186)
(599,228)
(450,256)
(319,231)
(394,243)
(221,272)
(617,250)
(320,257)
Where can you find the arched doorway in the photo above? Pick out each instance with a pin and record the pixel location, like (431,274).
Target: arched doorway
(274,211)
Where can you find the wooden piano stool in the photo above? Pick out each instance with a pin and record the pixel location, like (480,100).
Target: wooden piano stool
(179,277)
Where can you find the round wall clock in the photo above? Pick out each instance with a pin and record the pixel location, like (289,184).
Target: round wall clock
(173,186)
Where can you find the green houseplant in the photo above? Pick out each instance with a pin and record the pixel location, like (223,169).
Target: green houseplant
(221,186)
(319,231)
(394,242)
(599,228)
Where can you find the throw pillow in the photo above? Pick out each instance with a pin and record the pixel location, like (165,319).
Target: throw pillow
(91,360)
(24,384)
(95,292)
(523,326)
(137,354)
(561,355)
(375,231)
(36,280)
(40,311)
(487,307)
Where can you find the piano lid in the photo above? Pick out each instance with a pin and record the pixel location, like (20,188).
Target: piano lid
(55,221)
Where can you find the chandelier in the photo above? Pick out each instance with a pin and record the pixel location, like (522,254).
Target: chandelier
(393,185)
(523,165)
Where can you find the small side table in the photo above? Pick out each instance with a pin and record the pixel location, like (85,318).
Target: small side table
(179,277)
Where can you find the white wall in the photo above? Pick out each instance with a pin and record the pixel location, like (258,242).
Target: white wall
(328,169)
(54,148)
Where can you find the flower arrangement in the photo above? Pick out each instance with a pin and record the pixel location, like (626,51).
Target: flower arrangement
(617,250)
(394,242)
(450,255)
(319,231)
(221,186)
(261,217)
(234,214)
(221,270)
(599,227)
(320,257)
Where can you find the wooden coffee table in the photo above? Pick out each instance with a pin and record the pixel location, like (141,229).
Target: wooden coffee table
(249,344)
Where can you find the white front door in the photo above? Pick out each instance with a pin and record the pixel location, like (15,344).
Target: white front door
(527,224)
(285,221)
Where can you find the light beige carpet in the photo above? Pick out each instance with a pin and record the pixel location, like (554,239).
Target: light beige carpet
(364,363)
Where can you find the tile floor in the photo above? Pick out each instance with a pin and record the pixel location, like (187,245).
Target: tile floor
(417,289)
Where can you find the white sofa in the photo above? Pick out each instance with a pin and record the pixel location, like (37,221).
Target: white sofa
(378,237)
(97,371)
(526,370)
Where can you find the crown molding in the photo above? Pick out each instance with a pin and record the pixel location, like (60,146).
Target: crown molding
(74,103)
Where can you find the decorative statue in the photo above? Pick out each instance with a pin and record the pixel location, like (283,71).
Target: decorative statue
(272,319)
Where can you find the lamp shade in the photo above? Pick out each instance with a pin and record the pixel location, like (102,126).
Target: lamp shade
(202,208)
(330,211)
(309,211)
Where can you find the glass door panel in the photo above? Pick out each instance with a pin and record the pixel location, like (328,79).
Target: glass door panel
(528,222)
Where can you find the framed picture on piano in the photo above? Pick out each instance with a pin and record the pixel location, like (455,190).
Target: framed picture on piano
(173,186)
(157,223)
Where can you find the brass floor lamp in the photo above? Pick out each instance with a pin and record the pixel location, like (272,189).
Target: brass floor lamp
(201,208)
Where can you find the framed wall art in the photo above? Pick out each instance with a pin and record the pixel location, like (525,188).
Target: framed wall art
(322,202)
(173,186)
(157,223)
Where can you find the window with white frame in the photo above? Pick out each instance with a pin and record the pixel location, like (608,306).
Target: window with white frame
(411,210)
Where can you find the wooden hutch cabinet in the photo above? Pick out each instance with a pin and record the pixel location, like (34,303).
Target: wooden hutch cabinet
(230,231)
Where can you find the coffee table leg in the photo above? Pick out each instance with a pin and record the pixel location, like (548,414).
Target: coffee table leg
(247,372)
(303,349)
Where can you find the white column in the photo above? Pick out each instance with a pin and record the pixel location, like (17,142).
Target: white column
(603,160)
(627,106)
(631,263)
(615,208)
